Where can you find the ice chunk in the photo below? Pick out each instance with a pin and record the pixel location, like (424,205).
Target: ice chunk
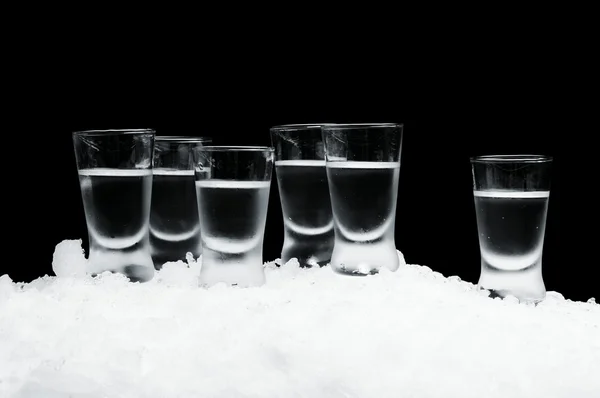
(179,273)
(69,259)
(308,332)
(6,286)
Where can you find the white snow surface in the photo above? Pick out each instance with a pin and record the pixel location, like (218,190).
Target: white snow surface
(306,333)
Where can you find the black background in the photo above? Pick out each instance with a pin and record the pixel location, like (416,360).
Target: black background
(451,108)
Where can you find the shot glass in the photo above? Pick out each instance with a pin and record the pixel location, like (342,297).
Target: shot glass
(233,185)
(115,177)
(363,169)
(174,221)
(304,194)
(511,194)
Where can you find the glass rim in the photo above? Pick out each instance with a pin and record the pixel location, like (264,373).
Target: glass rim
(351,126)
(182,138)
(105,132)
(513,158)
(235,148)
(299,126)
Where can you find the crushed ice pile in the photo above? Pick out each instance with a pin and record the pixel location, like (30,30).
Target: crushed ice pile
(306,333)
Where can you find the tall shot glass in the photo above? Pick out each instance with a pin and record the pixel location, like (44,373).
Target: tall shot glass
(304,193)
(115,177)
(363,169)
(511,194)
(233,185)
(174,221)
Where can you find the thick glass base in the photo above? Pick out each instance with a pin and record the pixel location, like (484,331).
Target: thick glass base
(135,264)
(360,259)
(526,284)
(235,269)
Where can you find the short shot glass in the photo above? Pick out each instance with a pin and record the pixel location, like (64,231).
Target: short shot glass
(363,169)
(233,185)
(511,194)
(174,221)
(115,177)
